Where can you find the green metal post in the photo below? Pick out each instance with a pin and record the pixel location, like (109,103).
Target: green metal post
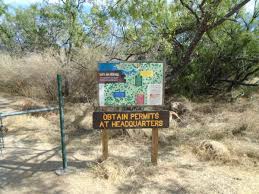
(61,115)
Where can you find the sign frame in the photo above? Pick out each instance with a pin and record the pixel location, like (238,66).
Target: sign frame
(132,106)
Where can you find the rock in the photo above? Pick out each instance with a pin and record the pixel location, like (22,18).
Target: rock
(178,107)
(147,132)
(86,122)
(139,133)
(113,133)
(174,117)
(164,139)
(212,150)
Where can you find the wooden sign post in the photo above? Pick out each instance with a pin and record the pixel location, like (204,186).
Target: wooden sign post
(127,85)
(154,146)
(129,120)
(105,138)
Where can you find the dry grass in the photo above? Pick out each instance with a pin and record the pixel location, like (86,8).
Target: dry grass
(213,149)
(28,75)
(42,129)
(112,170)
(34,75)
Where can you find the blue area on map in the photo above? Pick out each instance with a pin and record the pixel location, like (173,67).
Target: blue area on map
(110,67)
(129,73)
(119,94)
(107,67)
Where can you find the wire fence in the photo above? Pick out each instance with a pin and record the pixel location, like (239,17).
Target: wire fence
(60,108)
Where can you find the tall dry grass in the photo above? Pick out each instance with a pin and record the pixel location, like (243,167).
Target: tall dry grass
(34,75)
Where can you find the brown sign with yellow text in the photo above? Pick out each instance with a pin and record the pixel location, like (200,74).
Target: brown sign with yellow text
(119,120)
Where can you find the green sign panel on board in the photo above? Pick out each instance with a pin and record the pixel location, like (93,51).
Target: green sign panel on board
(131,84)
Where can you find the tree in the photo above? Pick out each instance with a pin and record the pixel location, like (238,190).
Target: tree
(4,33)
(73,24)
(26,31)
(208,45)
(179,32)
(45,25)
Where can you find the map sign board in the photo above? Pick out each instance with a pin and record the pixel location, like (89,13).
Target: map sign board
(131,84)
(133,119)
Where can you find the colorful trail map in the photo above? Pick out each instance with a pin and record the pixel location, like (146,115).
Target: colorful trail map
(131,84)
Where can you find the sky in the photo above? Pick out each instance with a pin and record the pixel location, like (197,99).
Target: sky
(24,3)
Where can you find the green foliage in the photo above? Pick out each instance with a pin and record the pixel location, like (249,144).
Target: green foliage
(45,25)
(209,46)
(206,46)
(2,8)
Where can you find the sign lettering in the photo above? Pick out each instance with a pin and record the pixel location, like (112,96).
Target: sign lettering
(144,119)
(111,77)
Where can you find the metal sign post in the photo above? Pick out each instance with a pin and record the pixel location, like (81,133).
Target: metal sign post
(61,116)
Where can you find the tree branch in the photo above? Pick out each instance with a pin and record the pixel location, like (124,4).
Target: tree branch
(120,59)
(191,10)
(249,74)
(237,82)
(183,29)
(229,14)
(131,55)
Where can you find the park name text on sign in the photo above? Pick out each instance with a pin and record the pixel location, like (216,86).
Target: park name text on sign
(135,119)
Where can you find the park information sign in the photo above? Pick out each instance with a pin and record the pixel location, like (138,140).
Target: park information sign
(131,84)
(123,120)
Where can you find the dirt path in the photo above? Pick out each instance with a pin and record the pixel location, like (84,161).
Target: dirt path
(29,167)
(32,154)
(28,162)
(6,103)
